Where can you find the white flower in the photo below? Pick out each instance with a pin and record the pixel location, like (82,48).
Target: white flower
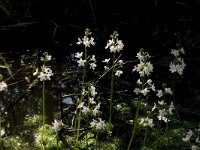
(85,110)
(175,52)
(93,58)
(146,122)
(98,124)
(46,57)
(79,41)
(106,68)
(91,99)
(171,108)
(96,111)
(106,60)
(120,62)
(168,91)
(144,68)
(2,132)
(154,107)
(78,55)
(118,73)
(136,91)
(161,102)
(188,136)
(86,41)
(149,82)
(194,147)
(36,72)
(81,62)
(93,91)
(162,114)
(93,66)
(3,86)
(45,74)
(145,91)
(139,82)
(159,93)
(115,47)
(140,56)
(80,105)
(57,125)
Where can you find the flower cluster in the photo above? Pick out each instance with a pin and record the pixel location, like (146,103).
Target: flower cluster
(145,122)
(178,64)
(144,67)
(86,41)
(45,72)
(57,125)
(192,137)
(164,111)
(114,44)
(144,88)
(3,86)
(85,107)
(98,124)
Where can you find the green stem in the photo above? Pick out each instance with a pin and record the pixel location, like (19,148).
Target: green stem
(97,136)
(145,137)
(157,134)
(78,112)
(43,110)
(173,89)
(111,96)
(0,131)
(134,126)
(57,141)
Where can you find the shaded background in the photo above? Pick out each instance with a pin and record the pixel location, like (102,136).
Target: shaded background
(156,25)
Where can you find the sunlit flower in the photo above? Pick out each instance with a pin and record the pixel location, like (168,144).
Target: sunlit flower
(81,62)
(118,73)
(93,58)
(86,41)
(93,91)
(188,136)
(98,124)
(106,60)
(46,57)
(145,91)
(3,86)
(168,91)
(114,44)
(146,122)
(120,62)
(45,74)
(159,93)
(79,55)
(93,66)
(57,125)
(178,64)
(85,110)
(96,111)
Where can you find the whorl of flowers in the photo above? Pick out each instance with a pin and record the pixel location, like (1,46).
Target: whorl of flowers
(144,67)
(86,41)
(178,64)
(45,72)
(114,44)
